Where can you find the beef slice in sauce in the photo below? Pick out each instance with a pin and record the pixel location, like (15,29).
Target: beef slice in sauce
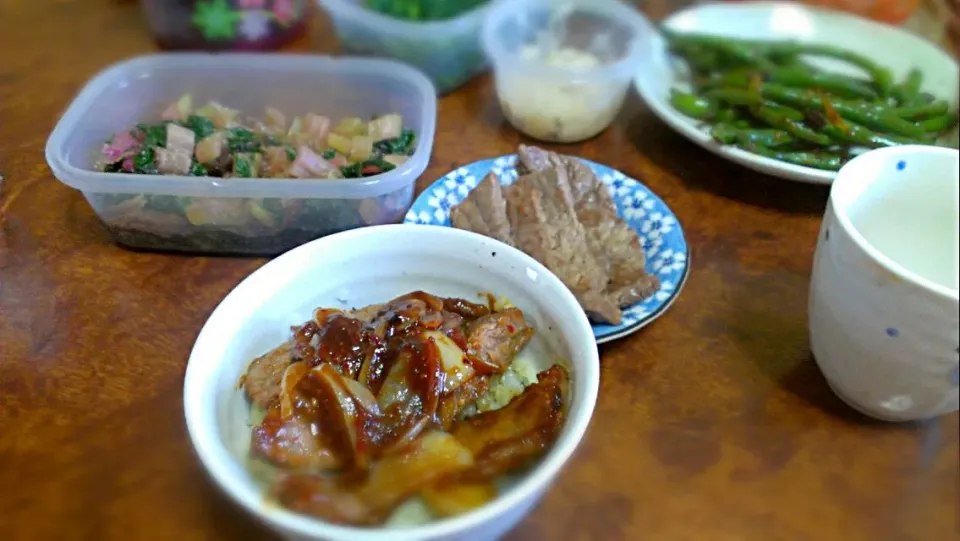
(492,341)
(484,211)
(265,373)
(546,227)
(263,377)
(495,339)
(389,482)
(501,441)
(520,432)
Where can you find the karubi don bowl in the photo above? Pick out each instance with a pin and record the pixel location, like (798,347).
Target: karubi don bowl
(355,269)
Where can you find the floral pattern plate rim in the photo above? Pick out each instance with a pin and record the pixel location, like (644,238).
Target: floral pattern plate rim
(658,228)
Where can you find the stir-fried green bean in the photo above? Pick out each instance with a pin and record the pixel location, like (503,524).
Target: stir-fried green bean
(766,97)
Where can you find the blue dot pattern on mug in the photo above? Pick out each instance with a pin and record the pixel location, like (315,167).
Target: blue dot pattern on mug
(892,333)
(901,165)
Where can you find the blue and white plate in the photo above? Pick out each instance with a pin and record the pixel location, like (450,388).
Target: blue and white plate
(646,213)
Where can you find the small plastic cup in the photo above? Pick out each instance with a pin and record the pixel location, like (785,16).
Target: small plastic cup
(556,101)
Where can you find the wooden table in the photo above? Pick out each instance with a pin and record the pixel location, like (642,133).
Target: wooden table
(713,424)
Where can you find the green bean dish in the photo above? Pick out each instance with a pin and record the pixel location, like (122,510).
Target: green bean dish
(765,97)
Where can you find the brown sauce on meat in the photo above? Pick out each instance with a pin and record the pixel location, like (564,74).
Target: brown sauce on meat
(364,391)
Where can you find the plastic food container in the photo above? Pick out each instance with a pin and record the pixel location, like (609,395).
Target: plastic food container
(559,97)
(147,211)
(226,24)
(447,51)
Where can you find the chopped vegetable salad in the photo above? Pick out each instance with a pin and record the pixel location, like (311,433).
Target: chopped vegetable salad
(214,141)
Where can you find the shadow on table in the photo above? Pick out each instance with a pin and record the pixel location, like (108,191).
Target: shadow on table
(764,320)
(807,382)
(698,169)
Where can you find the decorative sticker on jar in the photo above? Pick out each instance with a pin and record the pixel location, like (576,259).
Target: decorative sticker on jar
(216,19)
(247,20)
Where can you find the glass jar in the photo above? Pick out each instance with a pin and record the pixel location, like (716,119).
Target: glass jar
(246,25)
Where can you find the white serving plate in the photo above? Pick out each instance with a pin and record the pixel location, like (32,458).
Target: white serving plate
(898,50)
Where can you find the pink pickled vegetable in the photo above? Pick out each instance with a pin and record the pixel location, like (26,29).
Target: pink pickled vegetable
(122,145)
(310,165)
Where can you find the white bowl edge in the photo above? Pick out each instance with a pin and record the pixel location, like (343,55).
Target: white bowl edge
(203,377)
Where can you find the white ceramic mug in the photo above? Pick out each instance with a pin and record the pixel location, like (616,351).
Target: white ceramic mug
(884,310)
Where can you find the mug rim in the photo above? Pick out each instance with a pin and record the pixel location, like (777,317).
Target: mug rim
(843,182)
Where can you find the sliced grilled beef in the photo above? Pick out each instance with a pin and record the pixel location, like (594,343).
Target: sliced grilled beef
(546,227)
(484,211)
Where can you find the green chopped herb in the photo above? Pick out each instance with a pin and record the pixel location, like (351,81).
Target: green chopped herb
(291,153)
(145,161)
(242,140)
(154,135)
(367,168)
(329,154)
(243,166)
(405,144)
(201,126)
(198,170)
(351,171)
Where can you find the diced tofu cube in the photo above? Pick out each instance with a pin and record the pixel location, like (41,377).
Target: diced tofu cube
(385,127)
(351,126)
(295,126)
(340,143)
(222,117)
(179,110)
(210,148)
(275,120)
(180,139)
(315,125)
(173,162)
(396,159)
(361,147)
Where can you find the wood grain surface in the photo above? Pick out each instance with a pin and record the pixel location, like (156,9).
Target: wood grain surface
(713,424)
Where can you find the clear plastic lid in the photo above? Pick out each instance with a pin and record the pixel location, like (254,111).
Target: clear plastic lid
(138,89)
(609,29)
(399,28)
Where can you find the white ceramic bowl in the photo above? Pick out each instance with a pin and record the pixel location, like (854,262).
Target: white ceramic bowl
(898,50)
(356,268)
(884,310)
